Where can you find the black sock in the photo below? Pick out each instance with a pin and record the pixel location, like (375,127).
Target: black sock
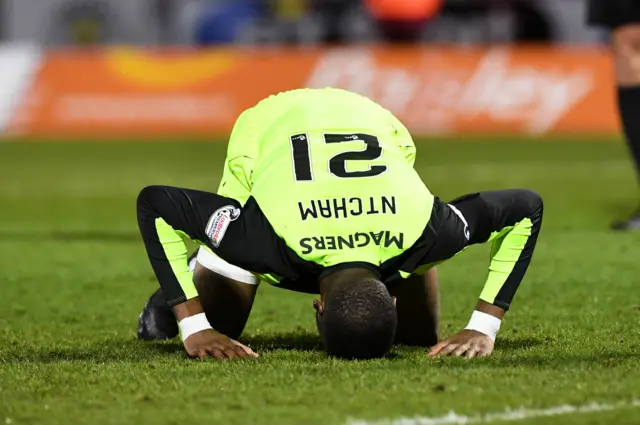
(629,104)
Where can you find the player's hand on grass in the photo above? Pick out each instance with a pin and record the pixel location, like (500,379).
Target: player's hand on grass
(467,344)
(209,343)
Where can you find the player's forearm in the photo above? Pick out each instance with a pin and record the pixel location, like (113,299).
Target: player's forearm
(512,247)
(511,219)
(188,308)
(163,218)
(493,310)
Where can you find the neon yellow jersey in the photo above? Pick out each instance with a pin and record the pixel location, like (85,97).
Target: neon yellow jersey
(333,173)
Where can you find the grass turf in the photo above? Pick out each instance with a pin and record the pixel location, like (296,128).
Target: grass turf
(74,276)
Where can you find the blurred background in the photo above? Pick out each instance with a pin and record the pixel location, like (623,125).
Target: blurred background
(189,67)
(215,22)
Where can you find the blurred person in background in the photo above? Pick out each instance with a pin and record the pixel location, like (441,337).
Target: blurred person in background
(291,21)
(212,22)
(164,13)
(83,22)
(531,23)
(403,21)
(331,14)
(622,18)
(281,22)
(491,21)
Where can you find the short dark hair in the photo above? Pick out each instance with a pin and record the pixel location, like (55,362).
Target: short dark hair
(359,320)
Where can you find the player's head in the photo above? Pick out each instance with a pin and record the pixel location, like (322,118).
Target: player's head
(358,318)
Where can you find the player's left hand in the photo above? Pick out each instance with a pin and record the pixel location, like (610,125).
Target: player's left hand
(467,344)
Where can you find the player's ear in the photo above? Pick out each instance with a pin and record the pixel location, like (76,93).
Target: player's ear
(317,304)
(394,299)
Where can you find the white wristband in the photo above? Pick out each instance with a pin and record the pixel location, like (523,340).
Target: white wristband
(193,324)
(484,323)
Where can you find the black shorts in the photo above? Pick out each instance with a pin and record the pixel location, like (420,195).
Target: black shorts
(613,13)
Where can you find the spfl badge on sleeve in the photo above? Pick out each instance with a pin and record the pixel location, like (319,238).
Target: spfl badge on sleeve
(219,222)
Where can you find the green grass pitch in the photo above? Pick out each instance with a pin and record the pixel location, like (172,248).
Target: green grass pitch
(73,277)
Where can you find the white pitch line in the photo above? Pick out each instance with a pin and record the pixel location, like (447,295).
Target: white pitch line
(506,416)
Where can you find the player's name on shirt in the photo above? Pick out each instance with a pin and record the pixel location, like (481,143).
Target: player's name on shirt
(385,238)
(346,207)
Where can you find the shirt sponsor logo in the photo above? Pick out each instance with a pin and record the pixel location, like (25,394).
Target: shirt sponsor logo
(384,238)
(219,222)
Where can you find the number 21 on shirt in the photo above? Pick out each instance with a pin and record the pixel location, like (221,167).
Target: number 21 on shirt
(301,155)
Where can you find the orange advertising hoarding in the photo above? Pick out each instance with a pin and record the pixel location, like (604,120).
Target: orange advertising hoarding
(433,90)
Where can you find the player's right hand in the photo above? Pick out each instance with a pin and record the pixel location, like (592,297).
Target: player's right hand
(467,343)
(209,343)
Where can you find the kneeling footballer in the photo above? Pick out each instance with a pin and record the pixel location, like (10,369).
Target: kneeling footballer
(319,195)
